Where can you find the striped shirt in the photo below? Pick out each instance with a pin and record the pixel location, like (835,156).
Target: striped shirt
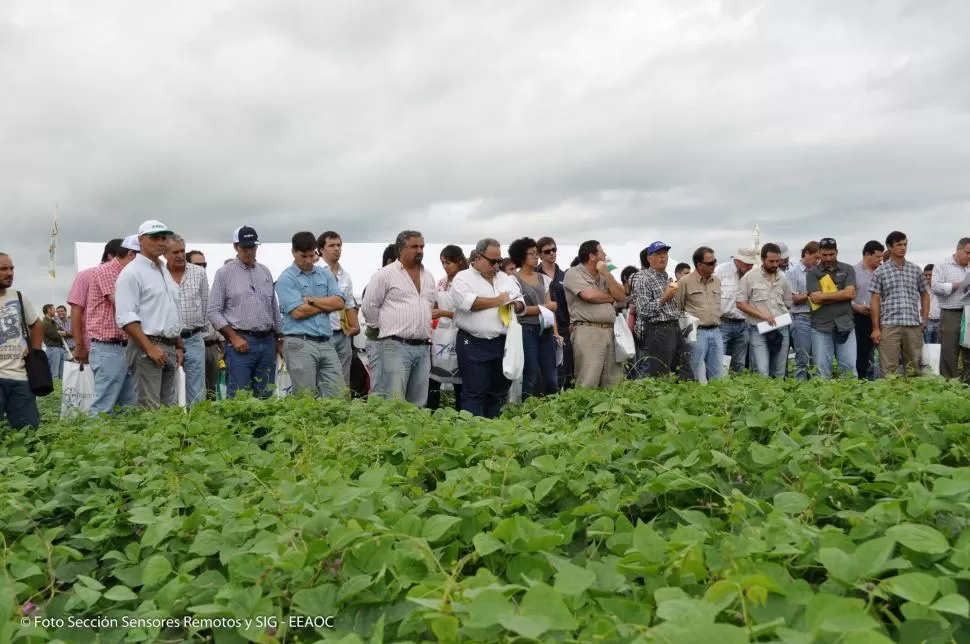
(396,306)
(347,286)
(243,297)
(863,278)
(195,297)
(99,313)
(797,276)
(944,275)
(899,289)
(648,287)
(79,297)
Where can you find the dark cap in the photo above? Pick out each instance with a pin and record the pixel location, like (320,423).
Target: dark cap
(246,237)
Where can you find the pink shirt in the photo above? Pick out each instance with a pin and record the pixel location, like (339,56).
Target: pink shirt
(396,307)
(79,297)
(99,315)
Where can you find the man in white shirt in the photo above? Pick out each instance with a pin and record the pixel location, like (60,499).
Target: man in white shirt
(344,323)
(479,294)
(147,302)
(194,290)
(398,300)
(949,285)
(734,328)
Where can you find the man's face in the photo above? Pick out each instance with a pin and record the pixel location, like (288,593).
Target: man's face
(928,275)
(199,260)
(413,251)
(304,259)
(963,256)
(49,313)
(743,267)
(6,272)
(175,255)
(810,259)
(706,266)
(770,263)
(154,246)
(784,263)
(682,273)
(61,312)
(898,250)
(658,260)
(872,261)
(828,257)
(488,262)
(548,253)
(332,248)
(246,255)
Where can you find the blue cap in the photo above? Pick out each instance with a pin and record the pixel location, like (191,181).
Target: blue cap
(656,247)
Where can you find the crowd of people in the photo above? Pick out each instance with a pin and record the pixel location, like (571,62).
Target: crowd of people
(135,319)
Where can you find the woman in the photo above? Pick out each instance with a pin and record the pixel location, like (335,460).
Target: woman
(452,261)
(539,333)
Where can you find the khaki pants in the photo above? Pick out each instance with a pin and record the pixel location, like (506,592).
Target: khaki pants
(594,356)
(905,340)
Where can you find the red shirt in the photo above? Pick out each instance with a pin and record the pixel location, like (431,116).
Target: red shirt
(99,314)
(79,296)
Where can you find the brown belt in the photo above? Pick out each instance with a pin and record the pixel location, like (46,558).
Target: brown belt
(157,338)
(598,325)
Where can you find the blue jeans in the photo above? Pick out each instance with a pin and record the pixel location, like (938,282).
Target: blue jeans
(734,336)
(404,371)
(344,345)
(769,352)
(825,348)
(705,355)
(931,332)
(314,367)
(484,388)
(194,367)
(801,337)
(254,370)
(539,374)
(113,383)
(18,405)
(55,358)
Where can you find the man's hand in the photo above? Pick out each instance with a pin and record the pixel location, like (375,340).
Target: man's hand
(279,348)
(156,355)
(816,297)
(179,357)
(602,268)
(669,292)
(503,298)
(352,331)
(81,354)
(875,335)
(770,319)
(239,344)
(861,309)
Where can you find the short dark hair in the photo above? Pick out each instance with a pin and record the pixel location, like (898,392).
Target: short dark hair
(403,237)
(894,237)
(545,241)
(872,247)
(322,239)
(770,247)
(681,266)
(113,249)
(928,268)
(811,248)
(519,248)
(964,241)
(304,242)
(586,249)
(455,255)
(507,262)
(698,255)
(47,307)
(192,253)
(390,255)
(61,306)
(627,272)
(645,257)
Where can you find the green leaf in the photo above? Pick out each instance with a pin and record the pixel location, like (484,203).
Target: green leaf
(486,544)
(531,626)
(837,614)
(916,587)
(919,538)
(156,570)
(792,502)
(437,527)
(954,604)
(354,586)
(649,544)
(120,594)
(627,611)
(206,543)
(545,486)
(870,558)
(488,608)
(573,580)
(445,627)
(543,601)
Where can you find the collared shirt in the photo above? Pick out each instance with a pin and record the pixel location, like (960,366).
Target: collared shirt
(396,306)
(65,326)
(347,286)
(195,297)
(700,298)
(863,279)
(944,275)
(99,313)
(834,316)
(294,285)
(899,289)
(470,285)
(13,344)
(577,280)
(559,297)
(796,280)
(147,294)
(728,274)
(78,296)
(243,297)
(52,334)
(935,307)
(768,296)
(648,286)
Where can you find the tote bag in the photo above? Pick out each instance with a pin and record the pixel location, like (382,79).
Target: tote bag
(38,368)
(513,359)
(625,347)
(77,389)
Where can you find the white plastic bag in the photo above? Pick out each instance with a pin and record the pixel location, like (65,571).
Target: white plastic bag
(180,387)
(688,320)
(444,358)
(77,389)
(931,358)
(513,360)
(626,349)
(284,386)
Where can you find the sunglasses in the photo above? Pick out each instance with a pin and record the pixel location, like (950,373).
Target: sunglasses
(493,262)
(203,264)
(713,262)
(827,242)
(549,251)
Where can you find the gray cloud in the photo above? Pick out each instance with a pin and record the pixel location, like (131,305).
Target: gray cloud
(689,122)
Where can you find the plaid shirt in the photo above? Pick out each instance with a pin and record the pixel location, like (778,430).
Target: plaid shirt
(79,297)
(944,275)
(244,297)
(648,286)
(195,297)
(899,289)
(99,314)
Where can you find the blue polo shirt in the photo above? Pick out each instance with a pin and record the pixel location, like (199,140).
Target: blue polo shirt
(293,285)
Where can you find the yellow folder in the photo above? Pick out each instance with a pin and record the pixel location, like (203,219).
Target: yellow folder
(827,286)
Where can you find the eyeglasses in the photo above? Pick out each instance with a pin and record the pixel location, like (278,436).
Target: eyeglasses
(493,262)
(203,264)
(713,262)
(549,251)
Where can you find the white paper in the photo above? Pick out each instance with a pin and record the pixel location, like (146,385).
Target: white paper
(780,322)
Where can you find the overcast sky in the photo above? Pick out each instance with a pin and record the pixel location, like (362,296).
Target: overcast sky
(688,122)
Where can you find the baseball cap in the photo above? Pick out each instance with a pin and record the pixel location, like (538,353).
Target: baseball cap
(785,254)
(746,255)
(246,237)
(656,247)
(131,243)
(153,227)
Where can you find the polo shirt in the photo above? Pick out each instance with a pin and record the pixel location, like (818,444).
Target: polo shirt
(834,316)
(577,280)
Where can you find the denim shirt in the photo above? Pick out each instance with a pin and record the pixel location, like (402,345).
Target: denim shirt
(293,285)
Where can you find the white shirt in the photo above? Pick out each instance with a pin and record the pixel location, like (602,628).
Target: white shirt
(146,293)
(347,286)
(468,286)
(944,274)
(728,274)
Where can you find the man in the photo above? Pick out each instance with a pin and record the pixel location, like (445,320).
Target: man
(54,342)
(900,307)
(479,294)
(18,405)
(801,312)
(831,287)
(194,302)
(763,295)
(113,384)
(699,294)
(344,322)
(866,367)
(212,340)
(64,324)
(244,309)
(400,298)
(931,333)
(591,293)
(950,281)
(548,253)
(661,349)
(77,299)
(308,294)
(783,265)
(734,327)
(147,308)
(681,271)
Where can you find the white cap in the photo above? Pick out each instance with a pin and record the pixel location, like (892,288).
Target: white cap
(131,243)
(747,255)
(784,250)
(153,227)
